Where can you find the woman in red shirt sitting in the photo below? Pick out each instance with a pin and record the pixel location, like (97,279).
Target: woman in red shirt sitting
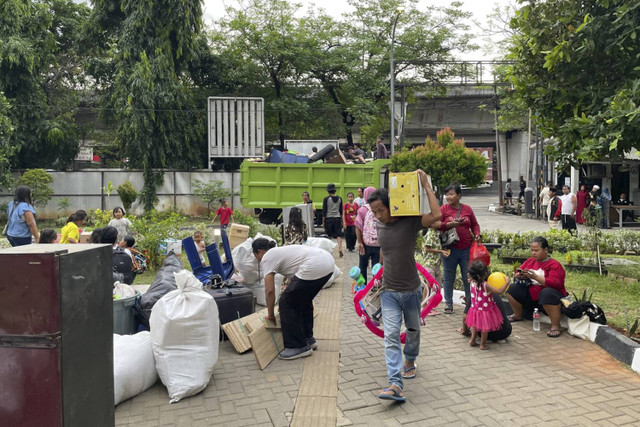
(539,283)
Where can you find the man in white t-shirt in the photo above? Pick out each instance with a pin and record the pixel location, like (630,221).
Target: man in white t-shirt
(308,270)
(544,200)
(360,199)
(569,205)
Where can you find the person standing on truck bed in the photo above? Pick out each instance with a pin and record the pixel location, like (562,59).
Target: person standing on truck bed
(332,215)
(382,152)
(225,213)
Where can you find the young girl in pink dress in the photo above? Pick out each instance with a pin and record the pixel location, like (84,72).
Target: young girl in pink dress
(484,315)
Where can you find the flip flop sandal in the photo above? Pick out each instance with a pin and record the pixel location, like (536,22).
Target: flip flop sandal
(395,396)
(554,333)
(405,372)
(513,319)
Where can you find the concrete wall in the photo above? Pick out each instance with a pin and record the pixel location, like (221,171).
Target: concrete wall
(85,190)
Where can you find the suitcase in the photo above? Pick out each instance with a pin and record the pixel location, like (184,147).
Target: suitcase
(233,302)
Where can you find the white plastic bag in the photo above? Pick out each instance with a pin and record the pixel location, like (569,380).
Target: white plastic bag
(322,243)
(134,369)
(185,334)
(579,327)
(123,290)
(336,274)
(245,263)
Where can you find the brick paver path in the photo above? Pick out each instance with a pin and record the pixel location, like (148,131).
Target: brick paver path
(529,380)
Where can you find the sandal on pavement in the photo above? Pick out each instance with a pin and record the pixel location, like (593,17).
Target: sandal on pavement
(554,333)
(448,309)
(408,373)
(513,318)
(395,395)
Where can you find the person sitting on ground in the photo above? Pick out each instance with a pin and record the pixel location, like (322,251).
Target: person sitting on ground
(198,239)
(122,224)
(308,270)
(48,235)
(71,231)
(538,283)
(138,259)
(121,260)
(295,233)
(96,236)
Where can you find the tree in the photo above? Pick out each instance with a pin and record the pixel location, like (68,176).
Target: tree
(6,150)
(40,73)
(39,181)
(150,100)
(578,69)
(210,192)
(447,160)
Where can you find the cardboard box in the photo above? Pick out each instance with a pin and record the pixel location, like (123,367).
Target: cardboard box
(407,197)
(237,234)
(84,237)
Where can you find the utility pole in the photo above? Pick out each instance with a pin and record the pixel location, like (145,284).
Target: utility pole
(498,157)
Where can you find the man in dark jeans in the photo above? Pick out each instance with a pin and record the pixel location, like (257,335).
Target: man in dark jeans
(308,270)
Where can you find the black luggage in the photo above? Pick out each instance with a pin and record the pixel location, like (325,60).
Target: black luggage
(233,301)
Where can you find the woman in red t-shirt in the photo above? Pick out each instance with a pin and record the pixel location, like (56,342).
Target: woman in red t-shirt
(538,283)
(349,213)
(461,217)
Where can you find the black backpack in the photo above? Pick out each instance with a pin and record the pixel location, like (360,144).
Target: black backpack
(579,308)
(123,264)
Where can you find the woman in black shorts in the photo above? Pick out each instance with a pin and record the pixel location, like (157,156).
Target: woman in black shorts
(538,283)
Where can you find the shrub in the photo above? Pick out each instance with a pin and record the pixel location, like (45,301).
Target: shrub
(38,180)
(253,223)
(98,218)
(151,229)
(447,160)
(128,194)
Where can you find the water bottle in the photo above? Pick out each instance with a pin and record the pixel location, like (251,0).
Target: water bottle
(536,320)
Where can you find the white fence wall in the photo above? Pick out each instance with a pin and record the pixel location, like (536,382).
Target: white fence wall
(85,190)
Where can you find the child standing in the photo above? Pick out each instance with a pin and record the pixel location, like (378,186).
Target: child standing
(71,232)
(349,213)
(295,232)
(198,239)
(225,213)
(484,315)
(122,224)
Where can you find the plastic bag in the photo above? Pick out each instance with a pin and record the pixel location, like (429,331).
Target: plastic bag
(322,243)
(122,290)
(134,369)
(245,263)
(579,327)
(479,252)
(185,335)
(336,273)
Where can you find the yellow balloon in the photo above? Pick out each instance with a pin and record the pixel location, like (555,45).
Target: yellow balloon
(497,279)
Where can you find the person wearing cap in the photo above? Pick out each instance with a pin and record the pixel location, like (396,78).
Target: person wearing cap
(332,215)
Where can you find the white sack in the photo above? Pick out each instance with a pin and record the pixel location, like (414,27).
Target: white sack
(245,263)
(322,243)
(185,334)
(123,290)
(336,274)
(134,369)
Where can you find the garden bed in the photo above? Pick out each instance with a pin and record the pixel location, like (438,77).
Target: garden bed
(585,268)
(512,259)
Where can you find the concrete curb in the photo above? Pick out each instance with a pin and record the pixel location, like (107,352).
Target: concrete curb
(613,342)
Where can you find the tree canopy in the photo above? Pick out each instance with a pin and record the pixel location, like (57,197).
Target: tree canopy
(578,69)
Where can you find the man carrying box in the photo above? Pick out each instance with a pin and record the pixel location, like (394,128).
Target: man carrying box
(401,295)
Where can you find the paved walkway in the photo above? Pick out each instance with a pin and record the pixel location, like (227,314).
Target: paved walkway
(529,380)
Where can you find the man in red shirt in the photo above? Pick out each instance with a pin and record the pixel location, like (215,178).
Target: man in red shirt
(225,213)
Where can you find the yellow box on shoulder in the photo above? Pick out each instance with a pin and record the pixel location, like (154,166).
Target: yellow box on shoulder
(407,197)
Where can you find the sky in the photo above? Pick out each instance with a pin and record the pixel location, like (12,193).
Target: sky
(215,9)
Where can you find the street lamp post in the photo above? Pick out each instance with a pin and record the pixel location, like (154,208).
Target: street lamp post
(392,79)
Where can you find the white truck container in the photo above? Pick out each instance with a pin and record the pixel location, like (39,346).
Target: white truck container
(236,127)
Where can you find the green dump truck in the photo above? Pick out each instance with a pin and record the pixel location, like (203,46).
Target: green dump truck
(269,187)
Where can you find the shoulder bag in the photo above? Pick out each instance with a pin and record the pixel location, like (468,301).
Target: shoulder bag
(450,236)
